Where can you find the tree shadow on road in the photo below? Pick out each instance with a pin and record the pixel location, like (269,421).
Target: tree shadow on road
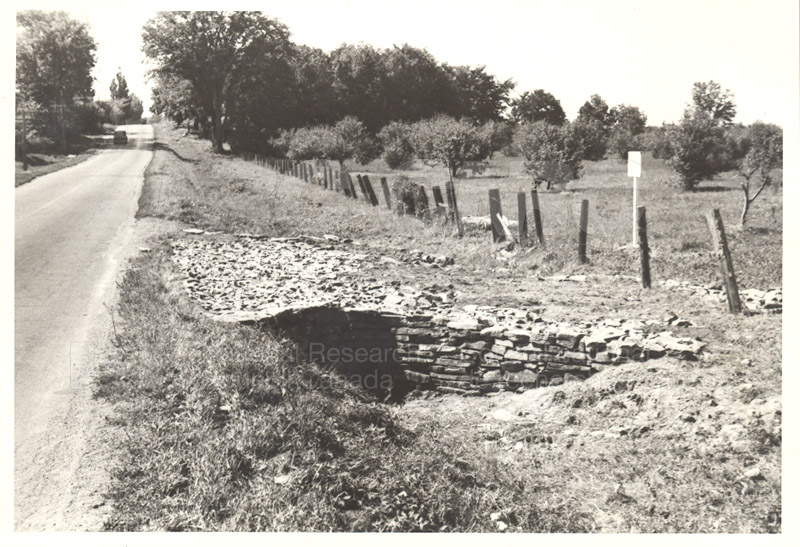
(161,146)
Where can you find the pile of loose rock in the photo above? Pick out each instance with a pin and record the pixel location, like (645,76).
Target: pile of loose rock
(754,300)
(432,341)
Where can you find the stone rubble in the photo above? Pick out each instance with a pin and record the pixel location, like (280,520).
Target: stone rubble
(754,300)
(434,342)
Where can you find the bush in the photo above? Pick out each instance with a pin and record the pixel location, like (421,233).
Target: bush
(497,136)
(346,140)
(308,143)
(698,148)
(553,154)
(655,140)
(404,192)
(394,139)
(447,141)
(621,141)
(593,139)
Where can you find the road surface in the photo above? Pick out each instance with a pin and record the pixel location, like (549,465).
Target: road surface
(71,230)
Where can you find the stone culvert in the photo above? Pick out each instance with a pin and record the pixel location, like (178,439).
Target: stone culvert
(400,337)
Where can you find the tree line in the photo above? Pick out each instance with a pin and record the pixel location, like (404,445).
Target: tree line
(55,56)
(237,77)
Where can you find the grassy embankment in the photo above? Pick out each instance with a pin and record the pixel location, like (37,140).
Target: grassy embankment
(226,432)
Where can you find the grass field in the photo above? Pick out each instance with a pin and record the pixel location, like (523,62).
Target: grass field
(227,431)
(677,230)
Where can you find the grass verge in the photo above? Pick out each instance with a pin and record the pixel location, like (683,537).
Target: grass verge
(43,164)
(225,431)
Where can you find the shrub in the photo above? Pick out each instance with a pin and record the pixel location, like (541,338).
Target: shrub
(655,140)
(396,147)
(698,148)
(308,143)
(447,141)
(497,136)
(593,139)
(552,153)
(405,195)
(346,140)
(621,141)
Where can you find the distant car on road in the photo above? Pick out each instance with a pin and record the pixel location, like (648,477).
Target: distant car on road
(120,137)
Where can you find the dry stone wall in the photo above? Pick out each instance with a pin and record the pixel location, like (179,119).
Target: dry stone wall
(307,288)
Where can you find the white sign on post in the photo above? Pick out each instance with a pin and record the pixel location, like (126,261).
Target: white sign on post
(634,164)
(635,171)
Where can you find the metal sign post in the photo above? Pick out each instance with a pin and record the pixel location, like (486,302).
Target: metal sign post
(635,171)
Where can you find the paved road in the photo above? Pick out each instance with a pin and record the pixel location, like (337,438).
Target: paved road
(70,233)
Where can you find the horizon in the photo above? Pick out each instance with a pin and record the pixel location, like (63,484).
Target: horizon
(622,51)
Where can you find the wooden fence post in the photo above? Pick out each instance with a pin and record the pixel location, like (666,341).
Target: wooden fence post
(363,188)
(495,209)
(725,260)
(353,193)
(537,217)
(325,177)
(423,209)
(437,197)
(452,203)
(387,195)
(373,199)
(644,250)
(342,181)
(584,232)
(522,218)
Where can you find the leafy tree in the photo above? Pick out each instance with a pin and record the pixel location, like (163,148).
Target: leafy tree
(125,107)
(763,145)
(215,51)
(394,140)
(308,143)
(655,140)
(358,84)
(478,95)
(451,142)
(553,153)
(594,138)
(697,144)
(314,100)
(119,87)
(174,98)
(628,123)
(55,58)
(348,139)
(414,85)
(594,124)
(497,136)
(596,110)
(537,106)
(709,97)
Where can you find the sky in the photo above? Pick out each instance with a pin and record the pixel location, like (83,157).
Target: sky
(647,54)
